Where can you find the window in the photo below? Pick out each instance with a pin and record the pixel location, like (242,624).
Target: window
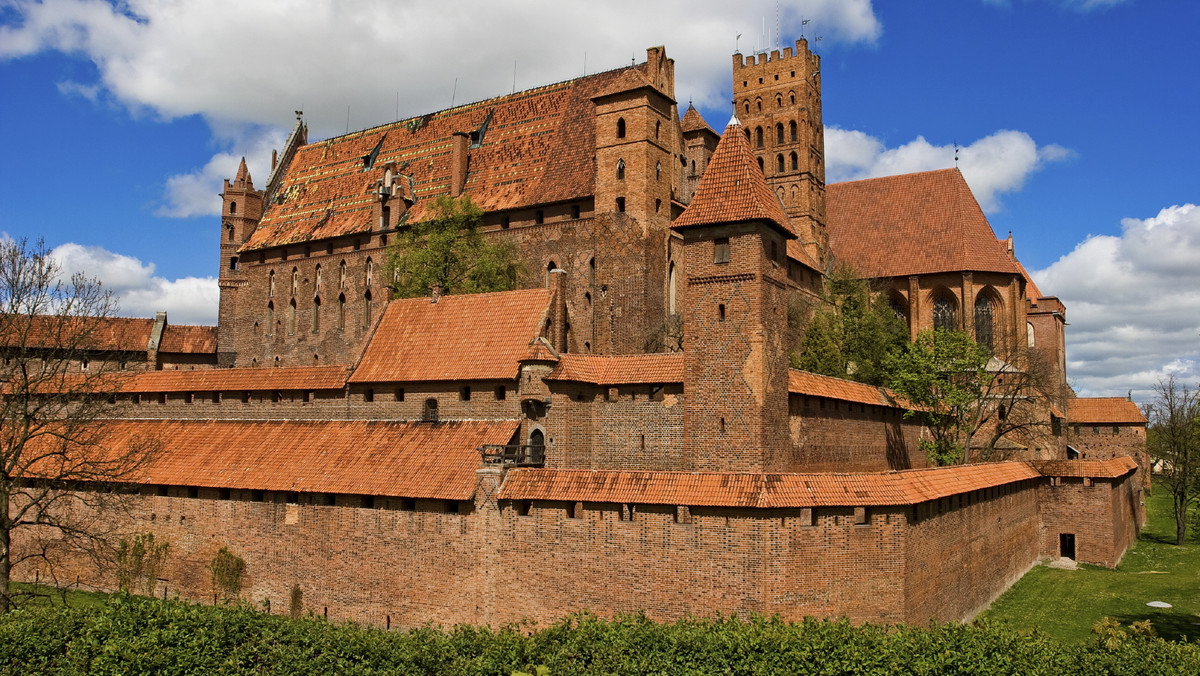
(779,166)
(620,170)
(537,443)
(385,217)
(670,288)
(501,393)
(430,411)
(233,207)
(620,127)
(795,162)
(233,263)
(271,284)
(1029,333)
(369,395)
(721,318)
(620,205)
(341,312)
(505,222)
(984,322)
(539,217)
(758,137)
(721,250)
(658,171)
(792,129)
(779,132)
(657,128)
(944,314)
(367,308)
(316,318)
(574,211)
(760,166)
(465,393)
(291,318)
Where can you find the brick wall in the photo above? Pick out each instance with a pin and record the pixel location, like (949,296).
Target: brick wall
(1103,514)
(618,427)
(838,436)
(1103,442)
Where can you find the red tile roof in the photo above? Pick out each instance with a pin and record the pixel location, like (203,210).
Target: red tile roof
(620,369)
(733,188)
(239,380)
(401,459)
(813,385)
(1032,292)
(189,339)
(912,224)
(692,121)
(1099,469)
(537,148)
(1100,410)
(122,334)
(702,489)
(470,337)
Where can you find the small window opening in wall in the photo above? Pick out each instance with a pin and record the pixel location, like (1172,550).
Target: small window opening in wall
(1096,429)
(245,397)
(216,397)
(137,399)
(293,498)
(539,217)
(620,205)
(575,211)
(760,165)
(276,396)
(233,207)
(430,413)
(189,398)
(399,394)
(233,263)
(523,507)
(1116,429)
(657,128)
(193,492)
(657,205)
(658,171)
(720,312)
(84,364)
(572,510)
(1001,412)
(721,250)
(620,170)
(504,222)
(306,396)
(368,501)
(806,517)
(465,393)
(369,395)
(162,397)
(620,127)
(721,425)
(501,393)
(860,516)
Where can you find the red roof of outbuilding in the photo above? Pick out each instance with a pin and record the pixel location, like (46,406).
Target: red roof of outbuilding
(620,369)
(912,224)
(811,384)
(238,380)
(401,459)
(733,188)
(470,337)
(105,334)
(188,339)
(1100,410)
(1099,469)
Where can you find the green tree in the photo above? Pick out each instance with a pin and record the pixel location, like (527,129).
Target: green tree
(227,569)
(1173,439)
(852,333)
(942,377)
(450,250)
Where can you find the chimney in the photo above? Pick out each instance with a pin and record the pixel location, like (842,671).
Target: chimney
(458,162)
(558,310)
(435,293)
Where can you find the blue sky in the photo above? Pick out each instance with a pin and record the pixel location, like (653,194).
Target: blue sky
(1076,121)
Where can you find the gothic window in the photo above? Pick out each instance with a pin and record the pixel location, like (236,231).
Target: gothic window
(342,275)
(233,207)
(537,443)
(1029,333)
(295,280)
(271,284)
(658,171)
(792,98)
(944,313)
(779,164)
(291,317)
(317,283)
(758,102)
(370,275)
(621,205)
(671,288)
(778,100)
(984,322)
(270,317)
(792,130)
(229,230)
(341,312)
(795,162)
(758,137)
(550,267)
(779,132)
(746,105)
(899,307)
(620,170)
(620,127)
(760,166)
(316,318)
(592,271)
(367,308)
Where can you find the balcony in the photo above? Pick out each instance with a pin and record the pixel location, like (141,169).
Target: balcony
(513,455)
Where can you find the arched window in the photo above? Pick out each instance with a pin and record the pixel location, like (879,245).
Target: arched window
(760,166)
(758,137)
(945,312)
(792,130)
(1029,333)
(779,100)
(671,288)
(657,128)
(620,170)
(537,445)
(291,317)
(341,312)
(779,132)
(620,127)
(985,328)
(621,205)
(270,317)
(792,98)
(779,164)
(229,230)
(758,102)
(658,171)
(295,280)
(367,308)
(233,207)
(271,284)
(746,105)
(899,307)
(316,319)
(370,272)
(317,283)
(747,135)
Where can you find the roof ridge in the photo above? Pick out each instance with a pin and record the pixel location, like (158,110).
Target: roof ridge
(889,176)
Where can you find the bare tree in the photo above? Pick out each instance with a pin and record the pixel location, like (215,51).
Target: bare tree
(58,474)
(1013,404)
(1173,439)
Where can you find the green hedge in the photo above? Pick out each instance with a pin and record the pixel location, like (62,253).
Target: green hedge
(136,635)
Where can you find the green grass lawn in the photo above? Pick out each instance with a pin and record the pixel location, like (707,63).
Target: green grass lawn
(1066,603)
(42,595)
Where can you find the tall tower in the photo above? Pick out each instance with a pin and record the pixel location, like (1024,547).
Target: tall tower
(778,98)
(735,236)
(241,210)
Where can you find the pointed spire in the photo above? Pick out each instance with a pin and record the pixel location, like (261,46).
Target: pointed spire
(243,180)
(733,188)
(693,122)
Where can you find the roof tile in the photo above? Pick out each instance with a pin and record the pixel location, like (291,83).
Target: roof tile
(1100,410)
(238,380)
(185,339)
(620,369)
(811,384)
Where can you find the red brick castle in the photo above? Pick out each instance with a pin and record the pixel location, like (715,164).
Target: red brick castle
(624,433)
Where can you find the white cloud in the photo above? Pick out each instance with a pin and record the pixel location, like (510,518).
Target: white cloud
(1133,302)
(246,65)
(191,300)
(193,193)
(993,165)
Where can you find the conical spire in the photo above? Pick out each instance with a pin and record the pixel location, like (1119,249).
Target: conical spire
(242,179)
(733,188)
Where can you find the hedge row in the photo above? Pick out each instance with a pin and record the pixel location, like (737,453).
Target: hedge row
(135,635)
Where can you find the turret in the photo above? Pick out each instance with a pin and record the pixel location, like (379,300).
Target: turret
(241,210)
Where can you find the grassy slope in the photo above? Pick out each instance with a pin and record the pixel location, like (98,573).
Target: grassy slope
(1065,603)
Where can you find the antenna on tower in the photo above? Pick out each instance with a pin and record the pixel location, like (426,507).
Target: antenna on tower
(803,23)
(454,92)
(514,87)
(736,49)
(778,36)
(955,153)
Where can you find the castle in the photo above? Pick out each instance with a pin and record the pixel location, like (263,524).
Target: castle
(624,433)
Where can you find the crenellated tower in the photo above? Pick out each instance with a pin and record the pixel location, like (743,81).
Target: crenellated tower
(241,210)
(778,99)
